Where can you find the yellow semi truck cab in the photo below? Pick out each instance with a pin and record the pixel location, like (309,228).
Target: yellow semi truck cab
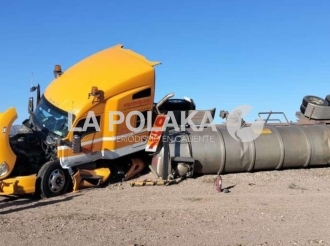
(83,118)
(122,81)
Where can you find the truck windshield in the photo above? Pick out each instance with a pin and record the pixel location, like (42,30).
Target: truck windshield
(51,118)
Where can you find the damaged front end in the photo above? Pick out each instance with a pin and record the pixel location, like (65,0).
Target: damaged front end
(10,185)
(21,156)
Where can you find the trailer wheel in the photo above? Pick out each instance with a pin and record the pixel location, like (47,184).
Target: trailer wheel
(327,98)
(53,180)
(302,109)
(314,100)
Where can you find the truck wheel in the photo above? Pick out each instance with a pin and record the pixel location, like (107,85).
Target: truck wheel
(53,180)
(327,98)
(302,108)
(314,100)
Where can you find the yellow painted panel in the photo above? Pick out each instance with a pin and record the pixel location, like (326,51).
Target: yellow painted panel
(263,131)
(18,185)
(6,154)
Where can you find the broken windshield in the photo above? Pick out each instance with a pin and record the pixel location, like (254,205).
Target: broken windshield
(51,118)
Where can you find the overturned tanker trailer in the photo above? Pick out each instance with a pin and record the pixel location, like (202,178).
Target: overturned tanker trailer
(214,150)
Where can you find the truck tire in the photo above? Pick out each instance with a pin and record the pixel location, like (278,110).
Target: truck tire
(302,108)
(52,180)
(327,98)
(314,100)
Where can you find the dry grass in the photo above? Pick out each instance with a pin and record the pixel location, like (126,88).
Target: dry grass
(293,186)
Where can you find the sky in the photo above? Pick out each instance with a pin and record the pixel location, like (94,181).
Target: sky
(222,54)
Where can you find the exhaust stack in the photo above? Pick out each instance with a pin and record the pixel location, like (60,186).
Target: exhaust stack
(57,71)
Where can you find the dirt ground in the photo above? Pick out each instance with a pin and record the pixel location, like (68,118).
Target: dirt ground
(289,207)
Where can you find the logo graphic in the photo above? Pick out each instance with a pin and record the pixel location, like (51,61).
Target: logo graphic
(237,128)
(118,117)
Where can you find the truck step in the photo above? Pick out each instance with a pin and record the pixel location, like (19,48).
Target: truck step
(94,180)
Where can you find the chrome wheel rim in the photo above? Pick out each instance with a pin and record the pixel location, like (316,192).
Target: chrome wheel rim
(56,181)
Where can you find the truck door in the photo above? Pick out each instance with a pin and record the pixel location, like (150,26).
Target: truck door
(91,144)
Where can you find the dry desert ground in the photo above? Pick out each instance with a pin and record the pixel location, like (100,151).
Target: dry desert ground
(290,207)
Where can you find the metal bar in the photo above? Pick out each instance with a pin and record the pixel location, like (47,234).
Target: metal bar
(271,112)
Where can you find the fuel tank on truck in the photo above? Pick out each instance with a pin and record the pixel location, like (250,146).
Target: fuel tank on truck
(215,151)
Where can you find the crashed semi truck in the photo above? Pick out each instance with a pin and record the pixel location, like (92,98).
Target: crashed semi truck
(75,137)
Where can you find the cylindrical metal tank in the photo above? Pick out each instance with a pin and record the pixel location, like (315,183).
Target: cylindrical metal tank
(278,147)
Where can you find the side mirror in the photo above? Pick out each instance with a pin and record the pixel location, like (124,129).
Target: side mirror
(31,105)
(36,88)
(76,144)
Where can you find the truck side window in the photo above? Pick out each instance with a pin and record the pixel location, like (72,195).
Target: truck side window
(142,94)
(139,120)
(89,129)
